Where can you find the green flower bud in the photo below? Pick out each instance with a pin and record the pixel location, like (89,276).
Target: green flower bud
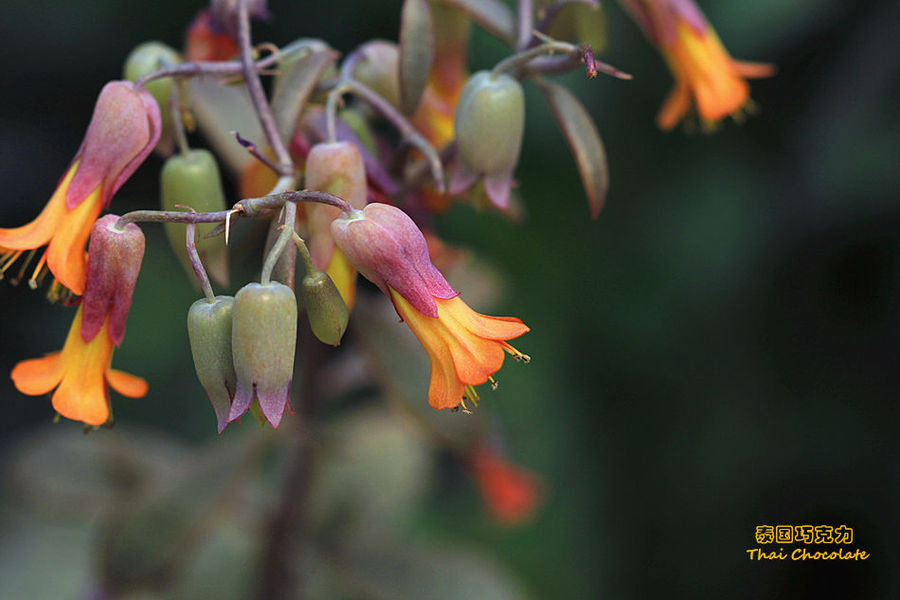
(327,312)
(263,340)
(377,68)
(193,180)
(146,58)
(489,122)
(209,330)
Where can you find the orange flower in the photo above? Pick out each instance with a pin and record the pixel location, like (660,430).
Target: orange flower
(434,117)
(511,494)
(81,372)
(205,39)
(122,132)
(465,348)
(707,79)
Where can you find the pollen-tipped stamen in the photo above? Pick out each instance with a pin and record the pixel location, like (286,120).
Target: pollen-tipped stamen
(38,274)
(7,258)
(516,355)
(494,383)
(23,268)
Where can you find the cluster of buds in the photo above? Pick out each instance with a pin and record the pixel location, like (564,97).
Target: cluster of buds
(369,199)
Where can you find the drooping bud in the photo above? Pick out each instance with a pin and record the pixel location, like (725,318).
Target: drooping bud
(114,261)
(377,68)
(488,124)
(327,312)
(387,247)
(146,58)
(263,340)
(123,131)
(338,169)
(209,330)
(193,180)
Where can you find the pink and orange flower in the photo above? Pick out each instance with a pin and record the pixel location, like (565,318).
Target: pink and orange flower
(123,130)
(707,79)
(465,348)
(81,372)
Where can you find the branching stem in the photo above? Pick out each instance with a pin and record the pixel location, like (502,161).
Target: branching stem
(258,94)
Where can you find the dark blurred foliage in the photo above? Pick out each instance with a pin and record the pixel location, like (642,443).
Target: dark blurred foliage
(718,351)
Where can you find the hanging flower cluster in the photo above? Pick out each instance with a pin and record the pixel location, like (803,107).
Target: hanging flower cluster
(351,163)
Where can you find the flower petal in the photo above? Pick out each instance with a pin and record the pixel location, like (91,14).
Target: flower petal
(38,376)
(130,386)
(65,254)
(41,230)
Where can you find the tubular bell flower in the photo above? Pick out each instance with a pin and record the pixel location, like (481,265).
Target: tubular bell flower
(707,79)
(82,369)
(123,131)
(465,348)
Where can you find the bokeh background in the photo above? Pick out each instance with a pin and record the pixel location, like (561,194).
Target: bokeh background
(718,351)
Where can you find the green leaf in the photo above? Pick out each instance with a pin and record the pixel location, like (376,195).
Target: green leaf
(416,53)
(493,15)
(297,78)
(584,141)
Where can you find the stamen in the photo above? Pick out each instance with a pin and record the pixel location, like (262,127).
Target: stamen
(38,271)
(10,256)
(517,356)
(471,394)
(494,383)
(21,274)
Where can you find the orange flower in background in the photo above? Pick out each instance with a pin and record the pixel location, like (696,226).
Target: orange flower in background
(465,348)
(123,130)
(511,494)
(81,371)
(449,72)
(207,40)
(707,79)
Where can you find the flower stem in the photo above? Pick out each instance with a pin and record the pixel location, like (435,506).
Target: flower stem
(205,68)
(405,128)
(177,122)
(197,264)
(304,253)
(525,22)
(258,94)
(290,217)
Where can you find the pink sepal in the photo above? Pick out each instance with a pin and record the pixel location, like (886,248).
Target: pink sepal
(497,188)
(114,261)
(387,247)
(123,130)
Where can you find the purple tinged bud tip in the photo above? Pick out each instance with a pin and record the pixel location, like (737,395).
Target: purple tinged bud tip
(114,262)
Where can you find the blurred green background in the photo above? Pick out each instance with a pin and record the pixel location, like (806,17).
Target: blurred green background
(718,351)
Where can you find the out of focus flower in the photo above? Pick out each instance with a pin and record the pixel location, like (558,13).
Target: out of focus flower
(511,494)
(206,39)
(82,369)
(465,348)
(122,132)
(434,117)
(338,169)
(707,79)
